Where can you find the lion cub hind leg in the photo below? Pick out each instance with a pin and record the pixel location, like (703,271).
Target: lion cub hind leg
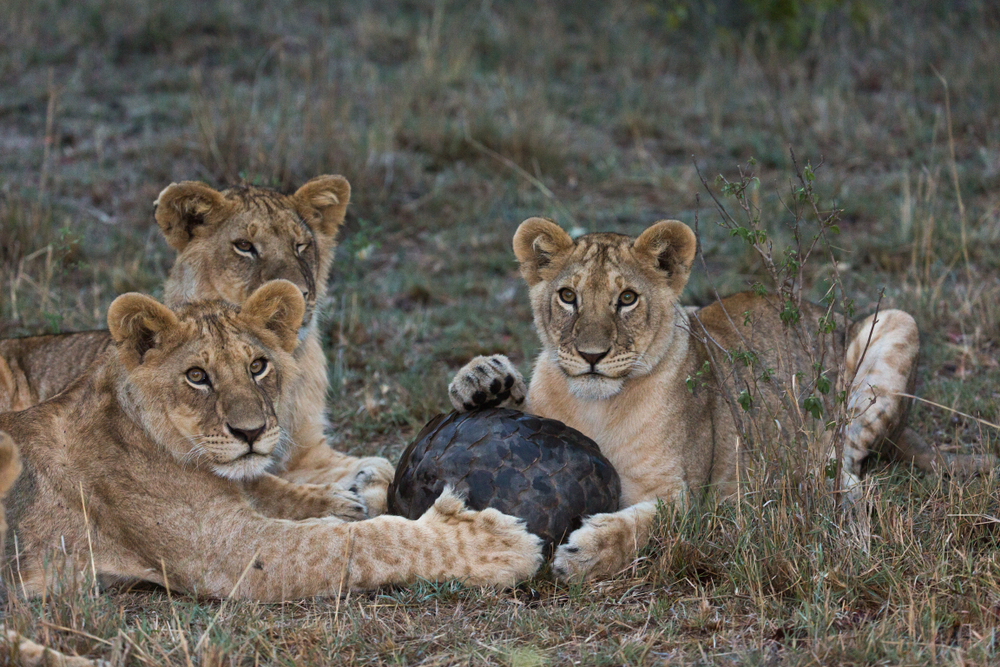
(487,382)
(605,544)
(881,357)
(886,370)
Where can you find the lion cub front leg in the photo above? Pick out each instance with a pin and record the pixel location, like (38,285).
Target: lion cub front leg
(319,463)
(487,382)
(280,499)
(605,544)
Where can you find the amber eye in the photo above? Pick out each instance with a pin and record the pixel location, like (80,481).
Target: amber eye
(627,298)
(258,366)
(566,295)
(245,247)
(196,376)
(301,248)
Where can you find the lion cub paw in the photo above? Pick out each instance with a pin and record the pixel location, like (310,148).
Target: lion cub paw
(499,549)
(487,382)
(593,550)
(370,480)
(345,505)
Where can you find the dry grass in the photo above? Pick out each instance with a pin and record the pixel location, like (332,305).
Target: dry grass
(454,122)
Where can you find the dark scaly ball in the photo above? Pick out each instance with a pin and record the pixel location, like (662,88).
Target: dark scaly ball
(530,467)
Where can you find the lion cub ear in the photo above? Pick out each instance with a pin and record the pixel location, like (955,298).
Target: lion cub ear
(537,242)
(328,196)
(136,323)
(276,306)
(670,245)
(186,207)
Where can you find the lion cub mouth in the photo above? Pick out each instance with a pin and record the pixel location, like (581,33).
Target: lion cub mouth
(594,386)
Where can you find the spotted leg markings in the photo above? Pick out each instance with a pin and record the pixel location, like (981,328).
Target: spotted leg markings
(487,382)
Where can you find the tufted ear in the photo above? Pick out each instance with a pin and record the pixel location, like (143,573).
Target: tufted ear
(185,208)
(137,322)
(328,196)
(537,242)
(276,306)
(669,245)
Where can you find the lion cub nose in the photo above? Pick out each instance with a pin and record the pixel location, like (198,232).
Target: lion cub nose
(247,435)
(593,358)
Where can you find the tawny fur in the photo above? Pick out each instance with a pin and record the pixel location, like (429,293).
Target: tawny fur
(617,351)
(127,473)
(292,237)
(21,650)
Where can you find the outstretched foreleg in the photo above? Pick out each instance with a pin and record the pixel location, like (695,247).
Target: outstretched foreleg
(606,543)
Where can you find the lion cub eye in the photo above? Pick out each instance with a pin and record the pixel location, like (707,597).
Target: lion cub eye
(197,376)
(301,248)
(627,298)
(244,247)
(258,366)
(566,295)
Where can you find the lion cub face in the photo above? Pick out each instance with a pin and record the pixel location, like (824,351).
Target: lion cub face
(603,303)
(205,380)
(232,242)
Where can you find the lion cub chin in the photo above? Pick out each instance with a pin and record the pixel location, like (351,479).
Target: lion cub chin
(128,473)
(617,351)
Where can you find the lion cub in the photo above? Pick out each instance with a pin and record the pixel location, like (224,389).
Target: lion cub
(229,243)
(617,352)
(129,472)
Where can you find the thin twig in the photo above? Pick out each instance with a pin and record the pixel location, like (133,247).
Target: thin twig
(945,407)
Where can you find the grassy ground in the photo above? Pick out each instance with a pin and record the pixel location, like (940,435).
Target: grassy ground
(454,122)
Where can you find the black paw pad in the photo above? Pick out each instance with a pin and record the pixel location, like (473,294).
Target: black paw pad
(508,382)
(479,397)
(495,387)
